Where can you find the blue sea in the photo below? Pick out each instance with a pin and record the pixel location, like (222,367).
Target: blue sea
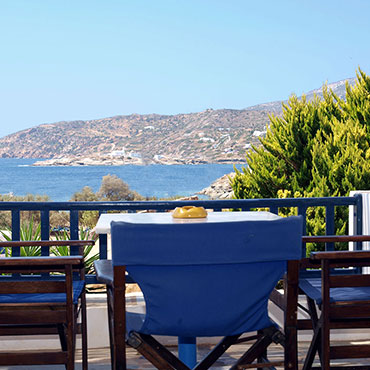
(19,177)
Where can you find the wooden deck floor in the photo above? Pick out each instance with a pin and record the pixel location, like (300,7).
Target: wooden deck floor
(99,358)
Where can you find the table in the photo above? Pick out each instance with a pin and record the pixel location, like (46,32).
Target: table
(187,345)
(103,224)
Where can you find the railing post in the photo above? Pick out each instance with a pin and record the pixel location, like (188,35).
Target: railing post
(358,208)
(302,211)
(103,245)
(73,227)
(330,225)
(45,230)
(16,230)
(274,209)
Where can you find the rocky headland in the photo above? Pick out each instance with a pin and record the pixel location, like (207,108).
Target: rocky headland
(220,189)
(211,136)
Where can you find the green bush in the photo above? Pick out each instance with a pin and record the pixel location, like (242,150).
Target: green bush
(317,148)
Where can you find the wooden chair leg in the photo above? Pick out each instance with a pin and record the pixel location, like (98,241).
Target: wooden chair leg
(290,315)
(119,319)
(315,344)
(325,345)
(324,318)
(254,352)
(263,356)
(62,336)
(84,332)
(110,322)
(155,352)
(70,345)
(315,322)
(216,352)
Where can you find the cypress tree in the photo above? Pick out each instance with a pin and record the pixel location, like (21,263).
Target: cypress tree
(316,148)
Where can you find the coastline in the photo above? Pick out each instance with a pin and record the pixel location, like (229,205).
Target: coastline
(220,188)
(121,161)
(150,180)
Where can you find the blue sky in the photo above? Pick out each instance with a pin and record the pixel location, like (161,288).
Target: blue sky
(65,60)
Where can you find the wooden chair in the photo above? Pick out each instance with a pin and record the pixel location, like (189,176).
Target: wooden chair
(204,279)
(33,302)
(342,297)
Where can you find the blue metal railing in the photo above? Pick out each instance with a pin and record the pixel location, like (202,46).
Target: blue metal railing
(273,205)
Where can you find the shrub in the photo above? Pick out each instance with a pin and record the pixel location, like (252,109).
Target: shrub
(317,148)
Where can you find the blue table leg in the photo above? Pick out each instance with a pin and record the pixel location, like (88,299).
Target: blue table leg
(188,351)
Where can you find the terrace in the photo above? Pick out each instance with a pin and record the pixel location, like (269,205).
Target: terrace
(98,343)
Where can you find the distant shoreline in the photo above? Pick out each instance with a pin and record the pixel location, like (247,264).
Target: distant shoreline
(109,161)
(20,177)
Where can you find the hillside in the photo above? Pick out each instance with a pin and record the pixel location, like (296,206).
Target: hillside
(209,136)
(338,88)
(212,136)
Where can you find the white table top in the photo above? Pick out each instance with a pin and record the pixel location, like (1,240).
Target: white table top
(103,225)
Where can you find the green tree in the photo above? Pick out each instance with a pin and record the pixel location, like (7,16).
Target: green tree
(114,189)
(87,218)
(85,195)
(317,148)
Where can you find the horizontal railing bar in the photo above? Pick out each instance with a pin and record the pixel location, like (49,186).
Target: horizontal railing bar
(272,204)
(167,205)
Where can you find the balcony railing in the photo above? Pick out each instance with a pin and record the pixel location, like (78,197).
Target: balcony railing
(273,205)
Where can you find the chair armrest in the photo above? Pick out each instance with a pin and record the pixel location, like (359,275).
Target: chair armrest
(104,271)
(340,255)
(48,243)
(335,238)
(41,261)
(45,243)
(27,265)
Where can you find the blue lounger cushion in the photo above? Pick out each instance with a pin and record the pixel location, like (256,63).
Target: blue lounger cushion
(312,287)
(78,287)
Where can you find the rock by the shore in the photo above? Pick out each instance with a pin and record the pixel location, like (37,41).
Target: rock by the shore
(220,189)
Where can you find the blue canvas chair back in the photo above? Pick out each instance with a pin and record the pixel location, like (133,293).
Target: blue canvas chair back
(206,279)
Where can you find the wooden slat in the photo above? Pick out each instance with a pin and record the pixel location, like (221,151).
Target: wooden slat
(32,316)
(346,311)
(353,324)
(40,261)
(33,358)
(352,367)
(349,263)
(56,305)
(36,272)
(341,255)
(358,351)
(17,287)
(335,238)
(28,330)
(261,365)
(338,281)
(45,243)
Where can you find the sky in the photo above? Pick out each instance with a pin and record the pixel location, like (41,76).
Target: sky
(64,60)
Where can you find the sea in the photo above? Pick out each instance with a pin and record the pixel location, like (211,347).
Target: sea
(19,177)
